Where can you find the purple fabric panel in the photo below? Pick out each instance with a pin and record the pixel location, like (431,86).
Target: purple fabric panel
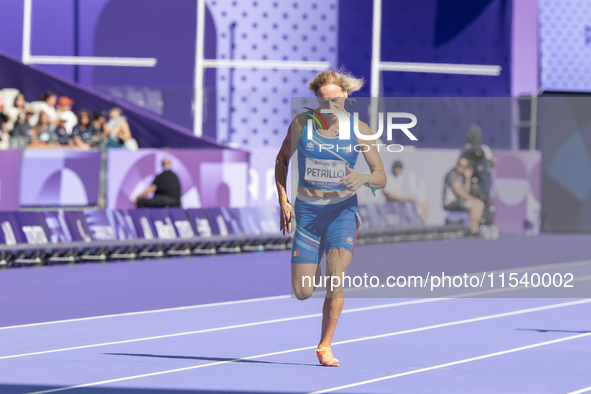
(60,177)
(524,48)
(10,179)
(87,166)
(517,190)
(204,176)
(149,130)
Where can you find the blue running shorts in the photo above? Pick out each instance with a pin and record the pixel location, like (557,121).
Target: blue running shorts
(323,224)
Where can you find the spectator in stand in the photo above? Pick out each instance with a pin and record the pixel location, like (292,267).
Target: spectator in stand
(100,120)
(457,197)
(394,190)
(20,136)
(84,131)
(64,111)
(117,131)
(4,137)
(49,99)
(18,109)
(166,188)
(42,132)
(60,135)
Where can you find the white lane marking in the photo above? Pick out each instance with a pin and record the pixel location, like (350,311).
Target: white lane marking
(180,308)
(586,389)
(573,263)
(259,323)
(518,312)
(467,360)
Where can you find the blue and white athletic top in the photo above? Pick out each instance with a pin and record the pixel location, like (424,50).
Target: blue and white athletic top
(321,167)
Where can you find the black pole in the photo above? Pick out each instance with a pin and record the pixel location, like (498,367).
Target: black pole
(77,38)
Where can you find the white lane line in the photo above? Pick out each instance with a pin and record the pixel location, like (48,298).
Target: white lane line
(467,360)
(518,312)
(585,390)
(180,308)
(259,323)
(538,267)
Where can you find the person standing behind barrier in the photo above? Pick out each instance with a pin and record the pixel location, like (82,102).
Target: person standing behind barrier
(394,190)
(457,197)
(481,159)
(166,188)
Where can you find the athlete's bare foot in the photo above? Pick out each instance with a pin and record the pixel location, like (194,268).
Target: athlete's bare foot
(325,357)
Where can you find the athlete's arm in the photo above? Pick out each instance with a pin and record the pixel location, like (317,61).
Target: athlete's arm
(281,164)
(377,177)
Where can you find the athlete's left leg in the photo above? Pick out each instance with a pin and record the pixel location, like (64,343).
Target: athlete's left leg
(337,261)
(339,240)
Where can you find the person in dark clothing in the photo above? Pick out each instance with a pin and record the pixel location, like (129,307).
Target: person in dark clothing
(480,157)
(166,188)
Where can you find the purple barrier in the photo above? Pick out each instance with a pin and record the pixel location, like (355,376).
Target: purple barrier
(98,223)
(57,226)
(201,222)
(79,229)
(259,220)
(209,178)
(142,222)
(9,234)
(31,228)
(59,177)
(182,222)
(10,179)
(224,220)
(122,224)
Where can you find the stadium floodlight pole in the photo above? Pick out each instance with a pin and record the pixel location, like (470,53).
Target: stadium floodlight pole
(199,69)
(376,39)
(27,12)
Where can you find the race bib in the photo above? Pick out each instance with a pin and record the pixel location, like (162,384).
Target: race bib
(325,172)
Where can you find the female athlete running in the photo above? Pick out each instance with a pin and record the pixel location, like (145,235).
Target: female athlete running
(326,206)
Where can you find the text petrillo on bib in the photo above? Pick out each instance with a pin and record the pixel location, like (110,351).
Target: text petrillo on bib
(325,172)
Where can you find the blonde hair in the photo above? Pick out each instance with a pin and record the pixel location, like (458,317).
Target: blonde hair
(345,80)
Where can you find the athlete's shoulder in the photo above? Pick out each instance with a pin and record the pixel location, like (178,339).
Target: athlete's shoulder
(298,122)
(364,128)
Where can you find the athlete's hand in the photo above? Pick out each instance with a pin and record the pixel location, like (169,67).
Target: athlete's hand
(354,180)
(285,218)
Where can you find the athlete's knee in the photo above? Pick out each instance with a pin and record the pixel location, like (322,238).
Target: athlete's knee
(303,293)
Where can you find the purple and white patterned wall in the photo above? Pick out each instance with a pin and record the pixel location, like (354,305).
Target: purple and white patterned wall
(565,45)
(268,30)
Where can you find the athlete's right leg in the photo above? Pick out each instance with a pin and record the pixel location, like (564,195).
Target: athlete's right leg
(303,279)
(307,248)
